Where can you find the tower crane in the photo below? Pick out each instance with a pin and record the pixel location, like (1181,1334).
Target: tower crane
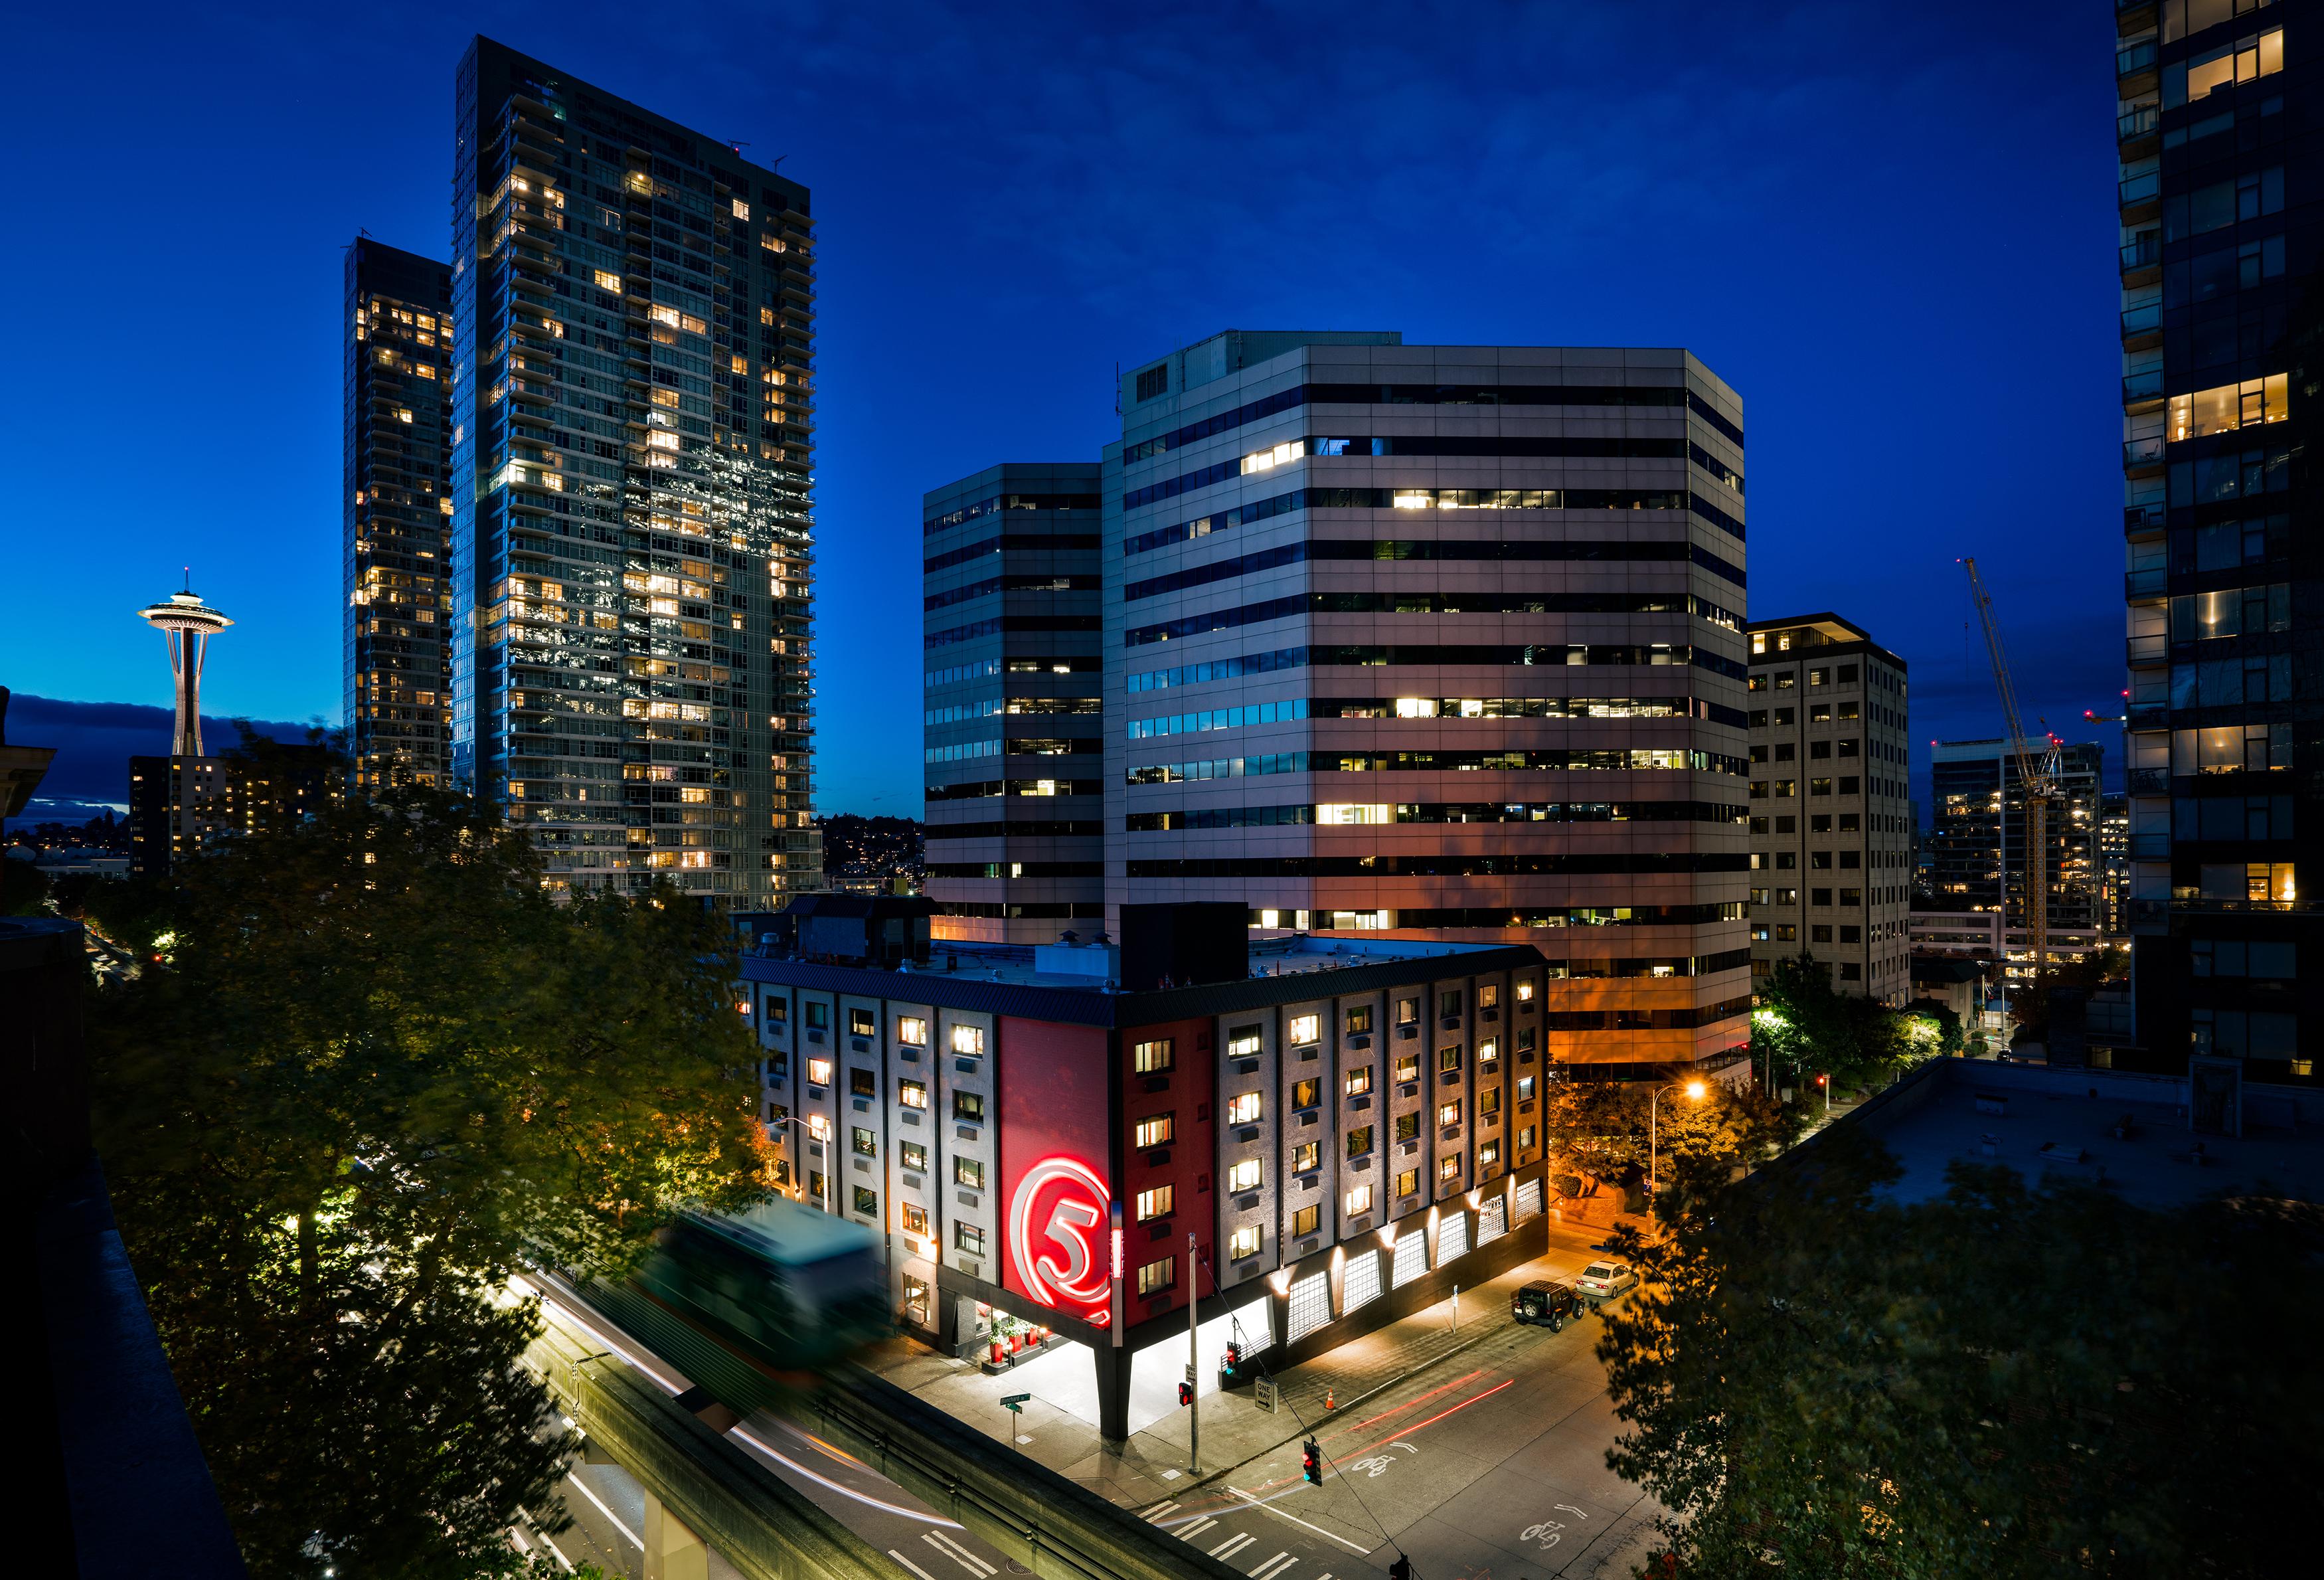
(2037,777)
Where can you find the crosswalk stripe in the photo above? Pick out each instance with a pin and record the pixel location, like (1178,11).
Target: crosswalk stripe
(1156,1512)
(1273,1567)
(958,1554)
(1233,1545)
(908,1563)
(1195,1530)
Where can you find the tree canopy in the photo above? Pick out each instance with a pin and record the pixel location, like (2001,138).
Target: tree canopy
(1804,1026)
(2007,1381)
(383,1066)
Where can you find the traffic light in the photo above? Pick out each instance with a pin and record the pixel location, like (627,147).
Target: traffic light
(1234,1357)
(1822,1079)
(1311,1463)
(1185,1393)
(1401,1569)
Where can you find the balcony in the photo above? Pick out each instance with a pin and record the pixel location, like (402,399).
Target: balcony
(2147,582)
(2142,327)
(2141,457)
(2142,518)
(2145,652)
(2142,389)
(2142,258)
(2148,781)
(2137,124)
(2141,197)
(2133,68)
(2150,715)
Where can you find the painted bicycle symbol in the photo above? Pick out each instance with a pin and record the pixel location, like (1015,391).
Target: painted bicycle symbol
(1550,1532)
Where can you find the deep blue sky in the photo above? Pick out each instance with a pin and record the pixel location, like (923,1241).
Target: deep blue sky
(1887,227)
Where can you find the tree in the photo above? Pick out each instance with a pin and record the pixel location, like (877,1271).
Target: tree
(1818,1380)
(382,1068)
(1804,1024)
(1602,1129)
(1933,1025)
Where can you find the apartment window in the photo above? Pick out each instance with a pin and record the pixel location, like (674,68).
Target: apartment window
(968,1107)
(1820,713)
(1487,1153)
(1360,1020)
(1449,1168)
(859,1084)
(1449,1002)
(1359,1140)
(968,1040)
(815,1188)
(1821,933)
(1243,1176)
(968,1237)
(1408,1010)
(1526,1138)
(1489,1102)
(969,1172)
(1448,1059)
(818,1014)
(916,1220)
(818,1072)
(1488,994)
(1306,1094)
(1359,1200)
(1156,1276)
(1359,1081)
(859,1023)
(1306,1157)
(1152,1058)
(1156,1203)
(1243,1244)
(1818,677)
(1525,1088)
(1525,993)
(1244,1108)
(1407,1127)
(1243,1042)
(1525,1039)
(915,1156)
(865,1143)
(1448,1113)
(1304,1222)
(911,1032)
(778,1011)
(1154,1131)
(912,1093)
(1303,1028)
(2243,59)
(1408,1182)
(1489,1051)
(867,1201)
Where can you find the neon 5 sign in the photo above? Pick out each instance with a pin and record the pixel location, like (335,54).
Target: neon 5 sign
(1059,1203)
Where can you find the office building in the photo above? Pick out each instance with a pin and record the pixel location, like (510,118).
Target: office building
(180,806)
(1980,834)
(1442,643)
(2219,207)
(1348,1127)
(397,489)
(1831,813)
(632,309)
(1014,735)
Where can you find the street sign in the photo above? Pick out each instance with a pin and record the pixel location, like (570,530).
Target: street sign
(1190,1371)
(1014,1401)
(1262,1392)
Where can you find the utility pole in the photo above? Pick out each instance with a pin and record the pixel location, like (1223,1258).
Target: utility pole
(1194,1360)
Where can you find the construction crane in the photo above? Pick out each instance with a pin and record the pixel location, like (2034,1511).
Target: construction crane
(2038,778)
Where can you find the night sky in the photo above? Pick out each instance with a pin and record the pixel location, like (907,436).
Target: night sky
(1888,227)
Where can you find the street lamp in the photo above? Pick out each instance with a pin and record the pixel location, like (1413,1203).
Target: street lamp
(1654,1136)
(812,1128)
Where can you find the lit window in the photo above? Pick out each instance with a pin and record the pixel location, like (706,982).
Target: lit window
(1155,1202)
(911,1031)
(1359,1081)
(1305,1156)
(968,1237)
(969,1172)
(1243,1042)
(1243,1176)
(912,1093)
(1448,1059)
(1359,1140)
(1303,1221)
(1158,1276)
(968,1106)
(969,1040)
(2227,407)
(1151,1058)
(864,1143)
(1488,1050)
(1154,1131)
(859,1023)
(608,282)
(1359,1200)
(818,1072)
(1448,1113)
(1408,1182)
(1242,1243)
(914,1155)
(1407,1067)
(1303,1028)
(916,1220)
(1244,1108)
(1306,1094)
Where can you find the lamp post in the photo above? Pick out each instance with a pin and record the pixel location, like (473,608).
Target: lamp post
(1654,1134)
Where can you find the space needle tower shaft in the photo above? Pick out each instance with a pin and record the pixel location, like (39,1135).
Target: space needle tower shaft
(187,623)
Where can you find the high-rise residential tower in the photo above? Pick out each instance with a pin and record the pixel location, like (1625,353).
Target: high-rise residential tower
(1832,816)
(1442,642)
(398,510)
(1980,832)
(631,451)
(2221,350)
(1014,740)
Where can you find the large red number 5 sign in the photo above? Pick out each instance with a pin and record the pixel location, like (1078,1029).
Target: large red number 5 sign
(1057,1206)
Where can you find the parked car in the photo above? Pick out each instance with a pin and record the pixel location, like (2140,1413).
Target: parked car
(1545,1303)
(1607,1280)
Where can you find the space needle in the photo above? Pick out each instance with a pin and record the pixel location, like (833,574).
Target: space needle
(188,624)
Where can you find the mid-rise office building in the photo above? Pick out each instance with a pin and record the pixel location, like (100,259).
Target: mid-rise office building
(1980,832)
(398,512)
(1832,814)
(1014,733)
(632,529)
(1446,642)
(2219,249)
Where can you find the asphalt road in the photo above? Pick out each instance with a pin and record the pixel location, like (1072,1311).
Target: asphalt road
(1490,1463)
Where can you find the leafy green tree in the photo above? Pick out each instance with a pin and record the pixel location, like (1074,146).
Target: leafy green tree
(1933,1025)
(2009,1382)
(1602,1129)
(384,1067)
(1804,1026)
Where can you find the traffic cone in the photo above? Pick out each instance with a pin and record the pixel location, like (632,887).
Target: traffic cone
(1327,1399)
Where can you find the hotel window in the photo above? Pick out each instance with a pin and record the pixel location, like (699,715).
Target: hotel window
(915,1156)
(1525,1039)
(1243,1176)
(865,1143)
(1359,1140)
(1525,993)
(1448,1113)
(814,1189)
(1525,1088)
(1158,1276)
(916,1220)
(1359,1081)
(818,1014)
(1449,1002)
(912,1032)
(1243,1244)
(1407,1127)
(1408,1182)
(968,1106)
(1359,1200)
(1489,1051)
(1306,1094)
(859,1023)
(1448,1059)
(1154,1131)
(1488,994)
(1243,1042)
(1305,1156)
(1155,1202)
(1408,1010)
(968,1237)
(778,1011)
(969,1172)
(1305,1029)
(1489,1102)
(1152,1058)
(1360,1020)
(867,1201)
(1449,1168)
(1304,1222)
(969,1040)
(860,1082)
(818,1072)
(1526,1138)
(1407,1067)
(912,1093)
(1244,1108)
(1487,1153)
